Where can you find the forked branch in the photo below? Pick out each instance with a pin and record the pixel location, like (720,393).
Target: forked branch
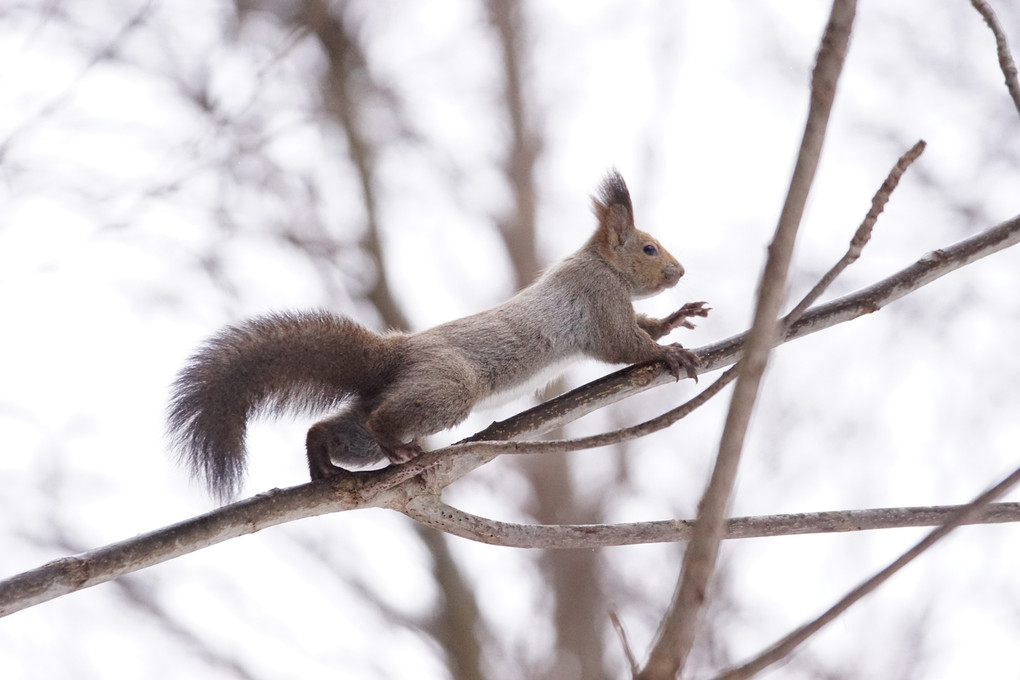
(857,243)
(395,487)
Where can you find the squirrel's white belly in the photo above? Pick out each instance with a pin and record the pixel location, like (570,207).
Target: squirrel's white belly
(532,385)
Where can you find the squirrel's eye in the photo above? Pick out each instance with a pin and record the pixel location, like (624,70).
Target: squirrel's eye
(650,250)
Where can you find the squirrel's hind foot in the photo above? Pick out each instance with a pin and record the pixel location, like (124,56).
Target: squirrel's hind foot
(342,439)
(403,453)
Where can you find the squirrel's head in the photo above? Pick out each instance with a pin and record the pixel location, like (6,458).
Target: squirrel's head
(642,261)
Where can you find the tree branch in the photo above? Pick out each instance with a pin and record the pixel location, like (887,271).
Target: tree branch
(395,487)
(676,633)
(430,510)
(1002,48)
(632,380)
(958,517)
(861,236)
(856,246)
(961,515)
(70,574)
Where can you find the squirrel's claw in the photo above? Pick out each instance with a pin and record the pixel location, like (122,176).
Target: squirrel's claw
(677,357)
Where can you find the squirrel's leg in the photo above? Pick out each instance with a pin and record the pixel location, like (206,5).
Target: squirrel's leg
(418,407)
(342,438)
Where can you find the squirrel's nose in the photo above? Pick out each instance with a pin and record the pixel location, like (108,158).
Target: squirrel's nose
(673,272)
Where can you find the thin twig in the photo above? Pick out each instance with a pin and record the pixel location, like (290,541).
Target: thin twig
(861,236)
(624,642)
(783,648)
(676,634)
(1006,63)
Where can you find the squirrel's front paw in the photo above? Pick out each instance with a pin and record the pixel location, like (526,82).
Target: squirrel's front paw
(678,319)
(677,358)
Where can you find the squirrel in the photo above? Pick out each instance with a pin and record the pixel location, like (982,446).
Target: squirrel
(390,390)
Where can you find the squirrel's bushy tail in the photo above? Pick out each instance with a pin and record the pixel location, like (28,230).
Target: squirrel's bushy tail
(306,362)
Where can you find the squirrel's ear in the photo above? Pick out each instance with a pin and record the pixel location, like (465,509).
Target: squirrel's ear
(613,208)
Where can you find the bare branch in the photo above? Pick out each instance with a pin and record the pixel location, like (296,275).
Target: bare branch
(394,487)
(69,574)
(1002,48)
(962,515)
(636,379)
(862,235)
(676,633)
(624,642)
(430,510)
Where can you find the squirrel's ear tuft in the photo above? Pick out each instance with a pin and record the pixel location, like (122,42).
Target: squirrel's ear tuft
(613,208)
(612,191)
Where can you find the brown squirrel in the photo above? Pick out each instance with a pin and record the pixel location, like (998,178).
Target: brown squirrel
(395,388)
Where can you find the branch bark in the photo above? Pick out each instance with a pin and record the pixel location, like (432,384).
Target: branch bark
(961,515)
(1006,63)
(432,511)
(676,633)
